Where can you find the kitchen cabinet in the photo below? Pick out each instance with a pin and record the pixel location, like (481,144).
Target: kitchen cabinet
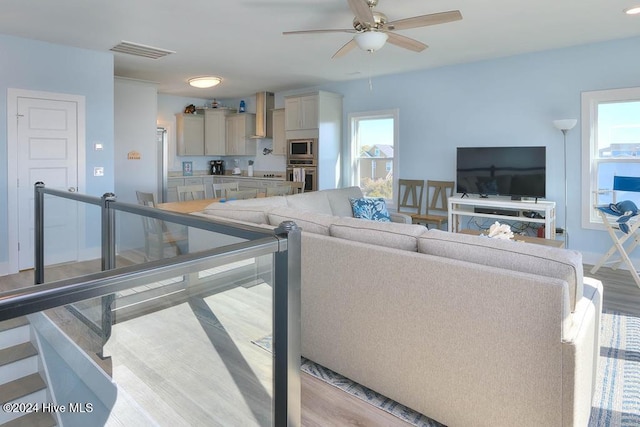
(215,132)
(240,127)
(279,136)
(318,115)
(301,112)
(190,134)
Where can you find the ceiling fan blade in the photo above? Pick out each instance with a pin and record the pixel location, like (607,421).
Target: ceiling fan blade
(406,42)
(345,49)
(362,11)
(425,20)
(345,30)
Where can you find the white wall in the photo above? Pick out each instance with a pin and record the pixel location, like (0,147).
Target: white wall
(136,109)
(35,65)
(507,101)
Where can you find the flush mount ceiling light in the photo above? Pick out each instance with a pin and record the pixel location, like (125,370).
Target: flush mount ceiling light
(635,10)
(205,82)
(371,40)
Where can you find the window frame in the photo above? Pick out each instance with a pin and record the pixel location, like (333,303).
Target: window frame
(354,172)
(590,160)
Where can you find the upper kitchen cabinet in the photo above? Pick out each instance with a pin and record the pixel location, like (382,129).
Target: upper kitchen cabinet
(215,132)
(279,136)
(301,112)
(240,127)
(190,134)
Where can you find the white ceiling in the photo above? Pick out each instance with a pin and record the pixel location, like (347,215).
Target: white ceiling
(242,41)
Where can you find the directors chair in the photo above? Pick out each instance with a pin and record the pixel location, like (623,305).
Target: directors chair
(622,222)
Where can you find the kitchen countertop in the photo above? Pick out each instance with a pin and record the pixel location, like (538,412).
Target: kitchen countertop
(279,177)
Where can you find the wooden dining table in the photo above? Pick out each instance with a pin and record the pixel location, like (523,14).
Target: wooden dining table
(188,206)
(191,206)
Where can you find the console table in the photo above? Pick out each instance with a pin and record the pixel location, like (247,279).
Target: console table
(502,209)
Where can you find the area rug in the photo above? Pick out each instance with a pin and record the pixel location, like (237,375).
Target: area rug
(616,402)
(617,394)
(357,390)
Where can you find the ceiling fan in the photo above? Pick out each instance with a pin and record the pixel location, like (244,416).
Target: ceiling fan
(372,29)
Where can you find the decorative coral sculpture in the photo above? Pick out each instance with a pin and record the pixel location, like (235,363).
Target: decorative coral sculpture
(500,231)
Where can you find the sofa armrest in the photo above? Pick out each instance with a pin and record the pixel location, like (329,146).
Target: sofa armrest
(399,217)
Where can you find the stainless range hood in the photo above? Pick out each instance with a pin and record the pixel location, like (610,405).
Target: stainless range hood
(264,113)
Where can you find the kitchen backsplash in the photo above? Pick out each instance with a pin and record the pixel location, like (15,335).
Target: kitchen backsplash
(269,162)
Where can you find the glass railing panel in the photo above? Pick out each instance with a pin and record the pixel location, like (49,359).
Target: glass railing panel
(141,239)
(72,238)
(188,351)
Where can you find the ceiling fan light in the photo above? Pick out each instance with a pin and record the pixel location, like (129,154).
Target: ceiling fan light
(635,10)
(371,40)
(205,82)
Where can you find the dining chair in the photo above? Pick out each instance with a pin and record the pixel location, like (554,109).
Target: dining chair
(296,187)
(410,197)
(437,211)
(241,194)
(622,222)
(159,237)
(190,192)
(281,190)
(219,190)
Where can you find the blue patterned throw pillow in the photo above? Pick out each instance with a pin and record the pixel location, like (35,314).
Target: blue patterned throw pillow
(373,208)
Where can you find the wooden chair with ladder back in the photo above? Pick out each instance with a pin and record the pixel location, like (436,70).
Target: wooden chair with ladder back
(190,192)
(220,189)
(158,236)
(410,197)
(437,213)
(296,186)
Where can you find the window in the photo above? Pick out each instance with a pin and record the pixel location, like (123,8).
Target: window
(611,146)
(373,139)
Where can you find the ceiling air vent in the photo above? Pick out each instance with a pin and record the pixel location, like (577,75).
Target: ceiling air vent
(140,50)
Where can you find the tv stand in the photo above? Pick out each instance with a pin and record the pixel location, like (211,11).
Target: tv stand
(503,209)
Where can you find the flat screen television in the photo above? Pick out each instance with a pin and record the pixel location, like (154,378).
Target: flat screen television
(505,171)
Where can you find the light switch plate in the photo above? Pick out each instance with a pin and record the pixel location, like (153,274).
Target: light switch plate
(98,171)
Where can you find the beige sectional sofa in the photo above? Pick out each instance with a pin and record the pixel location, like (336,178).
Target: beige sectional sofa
(467,330)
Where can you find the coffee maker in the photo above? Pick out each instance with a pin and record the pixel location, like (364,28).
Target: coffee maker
(217,167)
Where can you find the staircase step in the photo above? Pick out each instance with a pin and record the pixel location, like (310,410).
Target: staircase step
(13,323)
(17,352)
(14,331)
(21,387)
(18,361)
(34,419)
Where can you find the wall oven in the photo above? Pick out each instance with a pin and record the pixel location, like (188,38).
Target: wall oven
(310,177)
(302,151)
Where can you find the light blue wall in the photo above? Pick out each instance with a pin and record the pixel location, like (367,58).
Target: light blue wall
(34,65)
(509,101)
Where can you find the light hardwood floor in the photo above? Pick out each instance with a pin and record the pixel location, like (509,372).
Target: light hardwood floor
(135,363)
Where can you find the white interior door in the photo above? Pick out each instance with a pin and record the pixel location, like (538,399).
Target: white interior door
(47,140)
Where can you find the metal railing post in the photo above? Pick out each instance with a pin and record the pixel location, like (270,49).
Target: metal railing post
(286,328)
(38,256)
(108,261)
(108,232)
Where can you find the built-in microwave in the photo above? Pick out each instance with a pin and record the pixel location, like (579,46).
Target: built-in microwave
(302,151)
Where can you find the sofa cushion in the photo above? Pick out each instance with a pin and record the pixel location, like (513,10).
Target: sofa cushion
(371,208)
(387,234)
(252,213)
(315,201)
(542,260)
(339,200)
(274,201)
(312,222)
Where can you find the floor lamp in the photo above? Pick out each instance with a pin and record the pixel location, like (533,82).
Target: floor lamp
(565,125)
